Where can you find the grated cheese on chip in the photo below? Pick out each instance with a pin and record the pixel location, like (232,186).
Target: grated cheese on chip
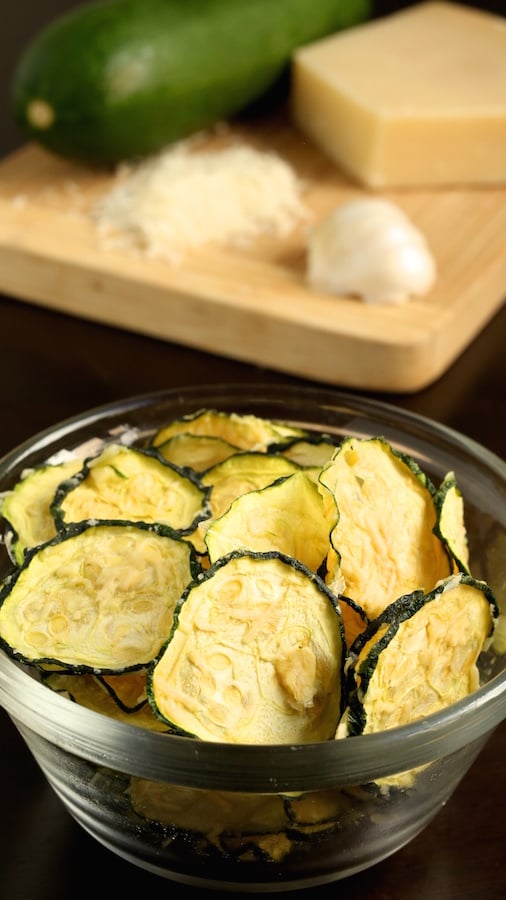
(185,198)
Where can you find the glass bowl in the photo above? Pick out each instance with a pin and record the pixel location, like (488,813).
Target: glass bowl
(256,817)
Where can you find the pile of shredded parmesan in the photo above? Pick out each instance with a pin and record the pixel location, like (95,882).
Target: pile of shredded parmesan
(187,197)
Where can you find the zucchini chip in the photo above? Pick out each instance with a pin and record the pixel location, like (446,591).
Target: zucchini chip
(255,655)
(420,655)
(288,516)
(98,599)
(384,538)
(316,813)
(128,484)
(213,814)
(196,451)
(243,472)
(248,432)
(450,526)
(354,619)
(27,508)
(90,691)
(312,454)
(128,690)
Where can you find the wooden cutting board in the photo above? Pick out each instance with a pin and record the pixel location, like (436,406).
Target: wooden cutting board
(253,304)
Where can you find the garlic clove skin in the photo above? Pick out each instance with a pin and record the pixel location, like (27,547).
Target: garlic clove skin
(370,249)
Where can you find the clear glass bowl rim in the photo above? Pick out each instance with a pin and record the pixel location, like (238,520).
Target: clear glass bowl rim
(256,768)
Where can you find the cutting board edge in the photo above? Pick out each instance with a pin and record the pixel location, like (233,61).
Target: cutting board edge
(315,355)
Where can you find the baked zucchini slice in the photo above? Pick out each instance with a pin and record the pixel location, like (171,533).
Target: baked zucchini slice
(248,432)
(27,507)
(354,619)
(128,690)
(243,472)
(450,526)
(288,516)
(213,814)
(384,540)
(130,484)
(419,656)
(312,454)
(316,813)
(196,451)
(91,691)
(255,655)
(99,598)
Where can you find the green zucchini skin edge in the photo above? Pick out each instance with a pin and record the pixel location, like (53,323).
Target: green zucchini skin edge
(309,438)
(124,78)
(206,575)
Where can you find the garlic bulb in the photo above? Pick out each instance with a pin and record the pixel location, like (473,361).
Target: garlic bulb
(369,248)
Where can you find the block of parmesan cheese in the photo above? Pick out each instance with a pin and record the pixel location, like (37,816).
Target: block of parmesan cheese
(414,98)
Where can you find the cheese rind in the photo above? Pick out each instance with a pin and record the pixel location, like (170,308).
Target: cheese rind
(415,98)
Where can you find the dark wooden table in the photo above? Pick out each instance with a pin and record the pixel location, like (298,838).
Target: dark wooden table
(53,366)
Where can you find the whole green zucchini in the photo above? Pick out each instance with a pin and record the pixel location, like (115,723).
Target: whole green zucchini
(121,79)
